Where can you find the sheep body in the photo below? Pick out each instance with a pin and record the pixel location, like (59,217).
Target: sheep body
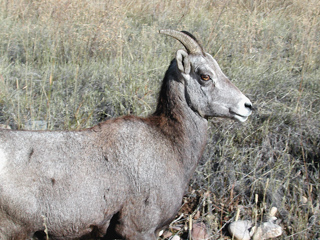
(125,176)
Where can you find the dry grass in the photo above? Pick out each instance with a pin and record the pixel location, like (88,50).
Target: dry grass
(75,63)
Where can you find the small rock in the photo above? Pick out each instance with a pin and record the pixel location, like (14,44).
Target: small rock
(167,234)
(243,230)
(199,231)
(273,211)
(268,230)
(176,237)
(258,234)
(304,200)
(240,229)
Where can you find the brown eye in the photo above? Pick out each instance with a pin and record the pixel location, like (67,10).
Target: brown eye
(205,77)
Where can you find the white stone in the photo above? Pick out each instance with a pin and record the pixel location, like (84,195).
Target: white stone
(176,237)
(273,211)
(267,230)
(240,229)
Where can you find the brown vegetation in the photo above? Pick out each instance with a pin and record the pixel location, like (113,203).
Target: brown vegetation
(75,63)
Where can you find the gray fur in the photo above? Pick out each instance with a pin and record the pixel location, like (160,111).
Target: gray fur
(134,170)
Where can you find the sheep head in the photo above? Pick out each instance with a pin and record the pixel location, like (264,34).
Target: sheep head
(208,91)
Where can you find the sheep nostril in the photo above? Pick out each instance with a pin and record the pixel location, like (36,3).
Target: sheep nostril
(248,105)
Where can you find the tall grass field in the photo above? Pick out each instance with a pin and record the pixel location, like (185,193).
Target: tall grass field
(73,63)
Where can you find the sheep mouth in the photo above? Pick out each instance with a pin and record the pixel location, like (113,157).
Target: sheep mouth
(239,117)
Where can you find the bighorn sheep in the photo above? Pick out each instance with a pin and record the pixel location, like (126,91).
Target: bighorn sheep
(129,172)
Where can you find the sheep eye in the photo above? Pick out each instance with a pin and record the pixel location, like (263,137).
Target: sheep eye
(205,77)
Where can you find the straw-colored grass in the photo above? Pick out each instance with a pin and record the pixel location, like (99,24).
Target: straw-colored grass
(74,63)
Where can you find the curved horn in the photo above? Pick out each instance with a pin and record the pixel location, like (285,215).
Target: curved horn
(188,42)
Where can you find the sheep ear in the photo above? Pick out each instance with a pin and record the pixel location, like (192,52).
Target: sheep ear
(183,61)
